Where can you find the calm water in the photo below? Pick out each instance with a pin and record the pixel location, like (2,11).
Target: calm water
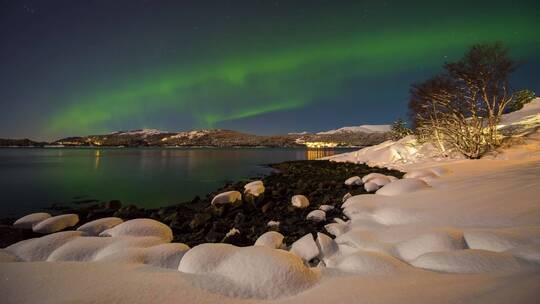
(33,179)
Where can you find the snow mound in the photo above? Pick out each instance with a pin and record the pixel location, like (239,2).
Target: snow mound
(30,220)
(299,201)
(39,249)
(270,239)
(316,216)
(467,261)
(430,242)
(368,262)
(529,253)
(346,197)
(165,255)
(96,227)
(502,239)
(92,248)
(141,227)
(255,188)
(56,223)
(305,247)
(353,181)
(403,186)
(371,187)
(249,272)
(228,197)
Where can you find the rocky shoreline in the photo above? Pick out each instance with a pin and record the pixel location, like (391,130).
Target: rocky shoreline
(197,221)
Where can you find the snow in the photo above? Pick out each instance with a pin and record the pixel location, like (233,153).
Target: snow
(28,221)
(96,227)
(272,224)
(228,197)
(326,208)
(430,242)
(467,261)
(403,186)
(143,132)
(358,129)
(471,236)
(305,247)
(369,262)
(371,187)
(56,223)
(380,181)
(299,201)
(141,227)
(270,239)
(316,216)
(370,176)
(249,272)
(39,249)
(353,181)
(255,188)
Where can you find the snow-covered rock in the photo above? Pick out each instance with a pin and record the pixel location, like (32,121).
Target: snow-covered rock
(305,247)
(368,262)
(96,227)
(39,249)
(403,186)
(430,242)
(165,255)
(249,272)
(336,229)
(326,208)
(228,197)
(272,224)
(255,188)
(316,216)
(370,176)
(56,223)
(380,181)
(371,187)
(353,181)
(300,201)
(271,239)
(141,227)
(327,246)
(28,221)
(346,197)
(467,261)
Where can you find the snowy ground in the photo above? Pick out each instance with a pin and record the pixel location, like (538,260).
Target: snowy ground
(452,231)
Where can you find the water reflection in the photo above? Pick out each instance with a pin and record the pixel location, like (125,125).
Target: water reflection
(312,154)
(97,158)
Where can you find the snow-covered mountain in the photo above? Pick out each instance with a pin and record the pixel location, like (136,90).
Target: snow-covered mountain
(360,129)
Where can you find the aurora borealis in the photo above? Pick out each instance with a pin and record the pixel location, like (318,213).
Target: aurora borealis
(84,67)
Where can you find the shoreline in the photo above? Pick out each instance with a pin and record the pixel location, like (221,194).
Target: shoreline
(197,221)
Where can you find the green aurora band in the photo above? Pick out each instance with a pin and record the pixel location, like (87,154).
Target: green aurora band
(289,77)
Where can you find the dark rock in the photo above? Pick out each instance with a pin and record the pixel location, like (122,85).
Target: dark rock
(114,204)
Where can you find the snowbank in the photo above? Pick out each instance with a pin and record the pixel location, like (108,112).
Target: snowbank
(56,223)
(403,186)
(270,239)
(30,220)
(96,227)
(141,227)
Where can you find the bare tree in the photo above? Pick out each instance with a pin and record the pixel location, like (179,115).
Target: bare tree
(461,109)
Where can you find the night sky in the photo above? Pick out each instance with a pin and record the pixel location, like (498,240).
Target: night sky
(84,67)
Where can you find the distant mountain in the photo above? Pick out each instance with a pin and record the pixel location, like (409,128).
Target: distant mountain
(219,138)
(361,129)
(4,142)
